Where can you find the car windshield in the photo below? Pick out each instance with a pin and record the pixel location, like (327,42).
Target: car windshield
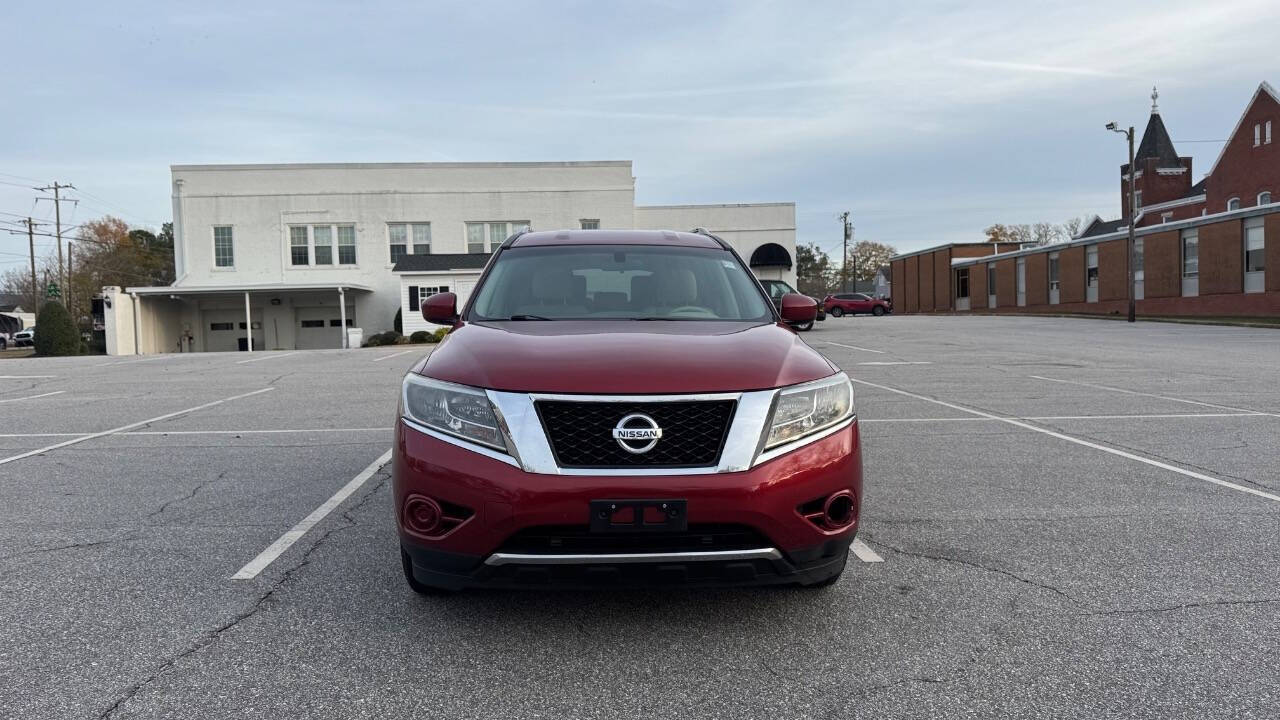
(633,282)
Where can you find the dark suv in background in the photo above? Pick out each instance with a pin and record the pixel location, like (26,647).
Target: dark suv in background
(623,407)
(854,304)
(778,288)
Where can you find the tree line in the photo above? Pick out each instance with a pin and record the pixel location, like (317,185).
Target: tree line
(818,275)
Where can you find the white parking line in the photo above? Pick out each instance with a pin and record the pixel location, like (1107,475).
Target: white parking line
(285,541)
(130,426)
(864,553)
(1151,395)
(267,357)
(1078,441)
(388,357)
(855,347)
(26,377)
(274,431)
(128,362)
(896,362)
(33,397)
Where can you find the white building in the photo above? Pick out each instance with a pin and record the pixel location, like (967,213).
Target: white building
(293,253)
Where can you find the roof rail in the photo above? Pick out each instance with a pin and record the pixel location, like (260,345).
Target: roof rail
(713,236)
(507,243)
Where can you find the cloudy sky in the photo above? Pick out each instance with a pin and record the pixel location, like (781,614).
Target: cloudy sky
(929,121)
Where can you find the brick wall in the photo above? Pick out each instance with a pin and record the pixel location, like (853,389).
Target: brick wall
(1038,279)
(1071,274)
(1006,283)
(942,279)
(1221,258)
(978,286)
(1162,264)
(1113,270)
(913,280)
(898,287)
(1245,170)
(925,279)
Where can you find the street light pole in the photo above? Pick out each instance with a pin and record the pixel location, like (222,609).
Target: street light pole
(1133,219)
(844,257)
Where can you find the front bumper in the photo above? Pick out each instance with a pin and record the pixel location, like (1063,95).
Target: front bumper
(504,500)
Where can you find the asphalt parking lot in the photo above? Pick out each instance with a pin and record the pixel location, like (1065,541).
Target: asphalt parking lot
(1064,518)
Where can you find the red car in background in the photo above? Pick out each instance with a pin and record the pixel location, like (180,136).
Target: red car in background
(854,303)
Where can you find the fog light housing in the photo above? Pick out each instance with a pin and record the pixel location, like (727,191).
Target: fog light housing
(837,511)
(422,514)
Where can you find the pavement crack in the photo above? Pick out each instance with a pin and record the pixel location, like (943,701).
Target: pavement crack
(1184,606)
(211,636)
(60,548)
(988,568)
(183,498)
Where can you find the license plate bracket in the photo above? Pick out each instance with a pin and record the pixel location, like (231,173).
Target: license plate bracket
(631,516)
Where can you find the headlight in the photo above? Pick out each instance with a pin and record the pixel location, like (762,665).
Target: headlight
(456,410)
(809,408)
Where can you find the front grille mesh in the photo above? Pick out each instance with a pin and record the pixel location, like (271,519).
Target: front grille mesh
(554,539)
(581,433)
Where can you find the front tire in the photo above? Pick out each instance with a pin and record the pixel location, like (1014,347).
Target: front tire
(837,312)
(805,327)
(877,310)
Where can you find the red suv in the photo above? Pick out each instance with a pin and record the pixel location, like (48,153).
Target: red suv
(623,407)
(854,303)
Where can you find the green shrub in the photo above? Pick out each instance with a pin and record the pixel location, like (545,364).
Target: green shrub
(441,333)
(420,336)
(55,333)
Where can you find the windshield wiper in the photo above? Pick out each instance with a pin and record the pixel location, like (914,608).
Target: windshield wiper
(528,317)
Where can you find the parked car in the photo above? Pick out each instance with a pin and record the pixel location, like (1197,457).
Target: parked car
(778,288)
(25,337)
(855,303)
(623,408)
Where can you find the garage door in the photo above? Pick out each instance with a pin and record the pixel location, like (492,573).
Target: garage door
(224,329)
(320,327)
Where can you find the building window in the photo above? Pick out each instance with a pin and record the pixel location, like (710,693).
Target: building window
(313,244)
(1264,198)
(962,283)
(346,244)
(1054,283)
(1091,267)
(590,224)
(311,323)
(1190,254)
(1166,217)
(1257,135)
(418,294)
(1233,204)
(1254,246)
(322,238)
(224,252)
(398,238)
(991,279)
(298,253)
(222,326)
(337,322)
(497,232)
(421,238)
(1138,261)
(1268,133)
(1137,200)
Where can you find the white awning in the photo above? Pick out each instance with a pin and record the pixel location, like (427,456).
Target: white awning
(237,289)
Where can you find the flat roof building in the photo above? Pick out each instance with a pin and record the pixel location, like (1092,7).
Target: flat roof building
(288,256)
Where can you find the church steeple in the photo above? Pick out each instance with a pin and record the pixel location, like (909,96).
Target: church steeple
(1155,95)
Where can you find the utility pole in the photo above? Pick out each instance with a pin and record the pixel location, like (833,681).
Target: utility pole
(66,289)
(844,257)
(57,214)
(31,243)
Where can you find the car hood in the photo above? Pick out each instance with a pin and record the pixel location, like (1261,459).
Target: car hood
(624,357)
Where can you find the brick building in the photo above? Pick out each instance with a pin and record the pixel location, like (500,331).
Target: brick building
(1200,248)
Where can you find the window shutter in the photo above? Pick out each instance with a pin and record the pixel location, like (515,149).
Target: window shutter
(413,297)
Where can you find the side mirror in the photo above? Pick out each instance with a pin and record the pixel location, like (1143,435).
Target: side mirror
(441,309)
(798,309)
